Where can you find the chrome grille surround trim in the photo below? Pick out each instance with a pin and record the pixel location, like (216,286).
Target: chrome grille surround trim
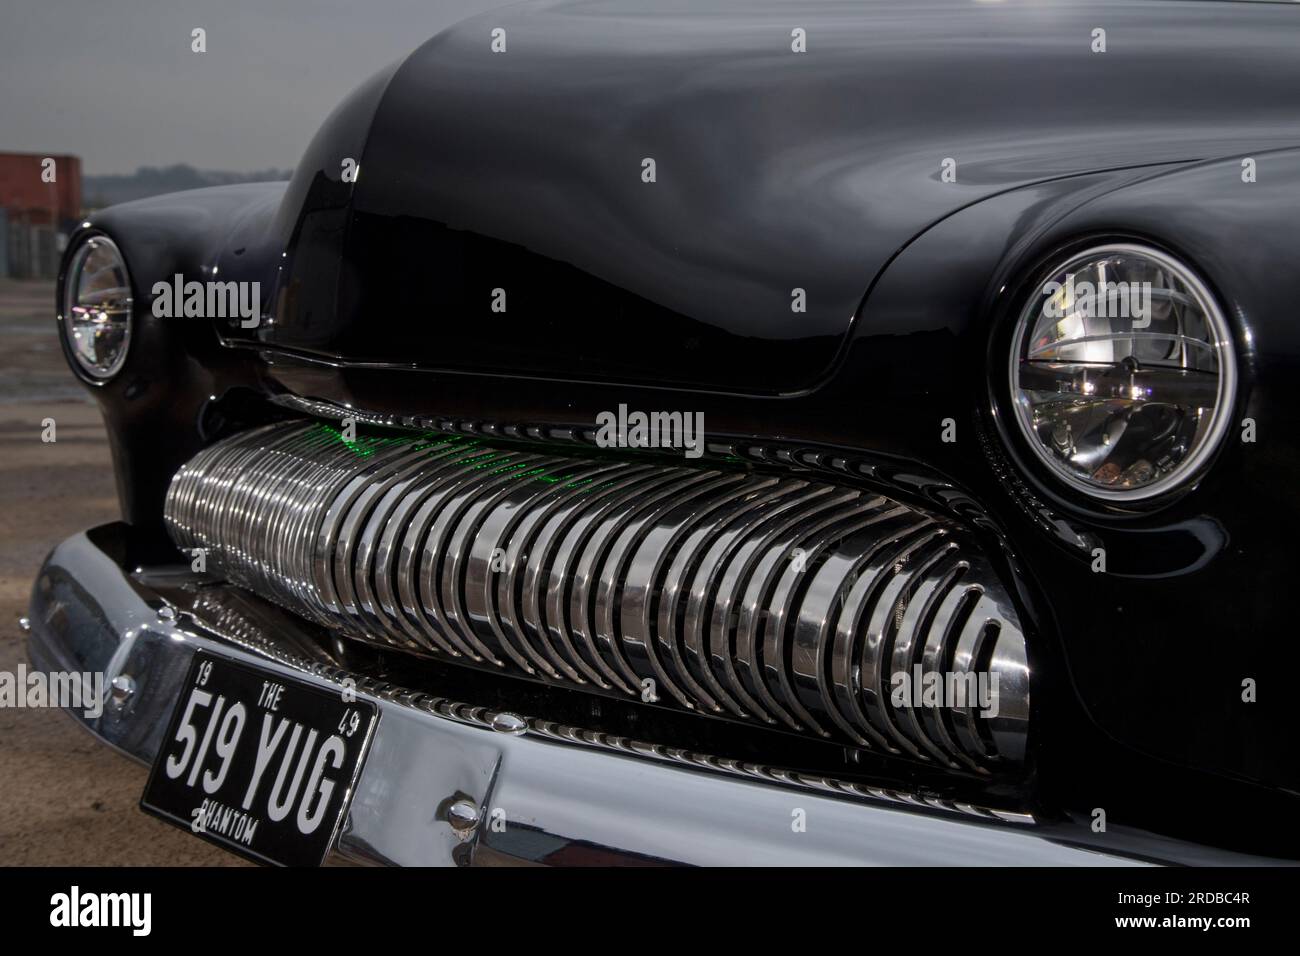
(777,599)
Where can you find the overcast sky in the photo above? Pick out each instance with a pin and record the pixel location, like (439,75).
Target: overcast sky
(115,82)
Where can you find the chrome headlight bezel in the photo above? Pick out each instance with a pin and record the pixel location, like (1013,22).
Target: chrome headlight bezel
(1220,339)
(73,331)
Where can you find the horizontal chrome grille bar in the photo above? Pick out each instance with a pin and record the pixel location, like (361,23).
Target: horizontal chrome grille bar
(778,599)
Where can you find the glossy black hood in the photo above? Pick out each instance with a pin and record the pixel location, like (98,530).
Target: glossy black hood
(516,179)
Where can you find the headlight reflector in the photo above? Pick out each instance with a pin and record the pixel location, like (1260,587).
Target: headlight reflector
(1122,372)
(97,306)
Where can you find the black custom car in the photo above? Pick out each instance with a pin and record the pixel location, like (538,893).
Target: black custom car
(988,313)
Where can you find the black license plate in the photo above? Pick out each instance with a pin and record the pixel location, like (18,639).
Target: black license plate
(258,763)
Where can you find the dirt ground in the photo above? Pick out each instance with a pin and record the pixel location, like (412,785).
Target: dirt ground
(65,800)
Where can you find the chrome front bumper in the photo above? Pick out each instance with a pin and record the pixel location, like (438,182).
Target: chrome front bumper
(524,791)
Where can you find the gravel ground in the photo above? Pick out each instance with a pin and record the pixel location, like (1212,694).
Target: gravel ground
(65,799)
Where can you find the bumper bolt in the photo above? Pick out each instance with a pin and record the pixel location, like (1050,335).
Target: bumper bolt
(122,688)
(463,817)
(166,613)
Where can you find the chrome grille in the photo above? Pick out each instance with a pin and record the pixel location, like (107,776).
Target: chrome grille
(779,599)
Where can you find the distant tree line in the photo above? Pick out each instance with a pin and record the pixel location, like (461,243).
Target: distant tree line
(101,191)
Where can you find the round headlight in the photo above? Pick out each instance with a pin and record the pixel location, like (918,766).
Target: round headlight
(97,308)
(1122,372)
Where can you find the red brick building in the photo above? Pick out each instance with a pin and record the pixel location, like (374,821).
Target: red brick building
(36,216)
